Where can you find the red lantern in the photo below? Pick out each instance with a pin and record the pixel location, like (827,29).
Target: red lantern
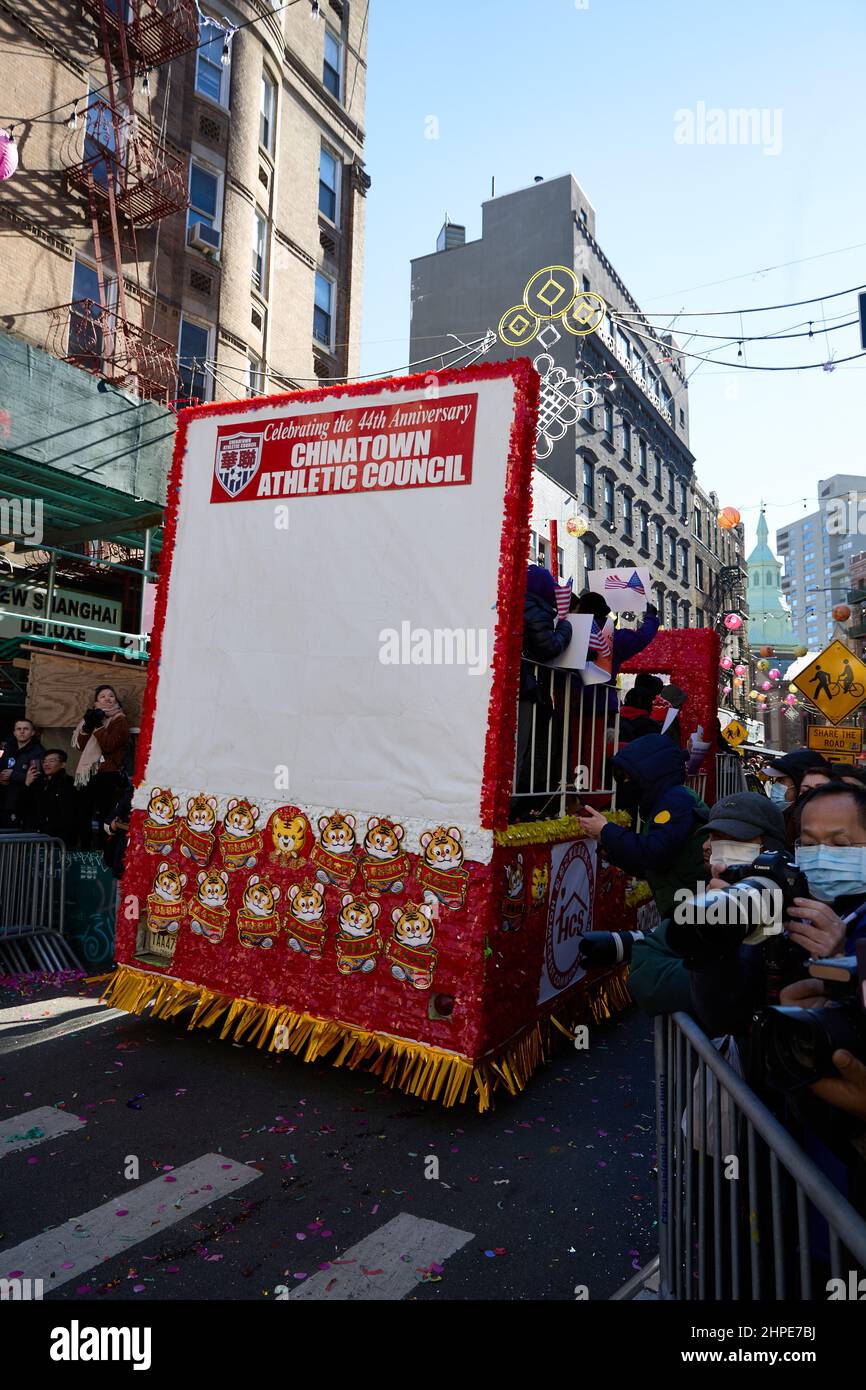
(841,613)
(733,622)
(766,651)
(729,517)
(740,670)
(726,663)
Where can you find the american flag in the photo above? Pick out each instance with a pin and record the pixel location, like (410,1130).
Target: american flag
(601,640)
(563,598)
(614,581)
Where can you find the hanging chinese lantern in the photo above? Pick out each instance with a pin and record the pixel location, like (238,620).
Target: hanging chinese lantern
(841,613)
(765,651)
(740,670)
(790,699)
(753,694)
(577,525)
(729,517)
(726,663)
(775,674)
(767,685)
(733,622)
(8,155)
(801,651)
(726,690)
(763,665)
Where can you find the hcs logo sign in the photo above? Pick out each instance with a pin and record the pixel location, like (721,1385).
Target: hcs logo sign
(569,915)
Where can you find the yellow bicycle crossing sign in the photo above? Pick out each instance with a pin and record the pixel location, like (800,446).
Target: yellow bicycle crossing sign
(835,682)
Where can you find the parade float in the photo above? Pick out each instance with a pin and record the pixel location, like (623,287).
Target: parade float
(320,857)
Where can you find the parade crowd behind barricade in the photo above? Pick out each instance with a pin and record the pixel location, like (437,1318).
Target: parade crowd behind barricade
(761,896)
(82,797)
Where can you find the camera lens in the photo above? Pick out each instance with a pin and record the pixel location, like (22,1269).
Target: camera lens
(600,948)
(798,1044)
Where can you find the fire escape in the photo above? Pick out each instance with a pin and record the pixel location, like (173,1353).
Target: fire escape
(129,181)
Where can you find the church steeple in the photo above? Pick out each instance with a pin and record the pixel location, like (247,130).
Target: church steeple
(769,620)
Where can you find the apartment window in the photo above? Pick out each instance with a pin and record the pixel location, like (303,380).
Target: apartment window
(100,140)
(644,529)
(627,515)
(586,284)
(673,603)
(204,196)
(211,77)
(332,73)
(588,483)
(256,381)
(660,542)
(589,555)
(684,501)
(86,327)
(609,513)
(623,345)
(672,488)
(641,454)
(587,413)
(657,482)
(193,352)
(698,523)
(608,422)
(672,555)
(582,217)
(260,253)
(684,564)
(699,574)
(323,311)
(685,614)
(699,617)
(328,184)
(626,439)
(267,121)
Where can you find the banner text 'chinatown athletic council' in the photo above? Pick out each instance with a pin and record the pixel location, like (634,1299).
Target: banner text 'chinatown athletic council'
(414,443)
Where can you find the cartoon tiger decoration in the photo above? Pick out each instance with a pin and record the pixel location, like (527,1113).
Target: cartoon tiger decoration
(384,867)
(358,942)
(257,920)
(197,837)
(513,905)
(160,826)
(410,948)
(165,908)
(305,923)
(208,913)
(333,857)
(240,842)
(289,835)
(540,883)
(441,870)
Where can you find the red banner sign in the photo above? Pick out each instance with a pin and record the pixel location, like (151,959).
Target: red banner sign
(377,449)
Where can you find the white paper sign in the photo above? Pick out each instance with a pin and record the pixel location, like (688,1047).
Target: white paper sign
(625,590)
(574,656)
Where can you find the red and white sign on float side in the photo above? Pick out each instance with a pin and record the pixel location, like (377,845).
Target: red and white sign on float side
(319,851)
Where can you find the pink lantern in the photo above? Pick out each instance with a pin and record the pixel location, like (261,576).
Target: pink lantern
(726,663)
(8,155)
(740,670)
(733,622)
(790,699)
(726,690)
(766,685)
(775,674)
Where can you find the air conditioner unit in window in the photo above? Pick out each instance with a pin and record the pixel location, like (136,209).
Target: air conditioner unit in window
(203,237)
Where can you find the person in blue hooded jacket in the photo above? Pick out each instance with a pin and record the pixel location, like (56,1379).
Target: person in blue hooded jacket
(668,851)
(545,637)
(627,641)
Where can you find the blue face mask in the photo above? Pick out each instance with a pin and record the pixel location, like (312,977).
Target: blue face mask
(833,870)
(778,793)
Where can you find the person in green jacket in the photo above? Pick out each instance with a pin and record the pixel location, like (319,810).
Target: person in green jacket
(739,828)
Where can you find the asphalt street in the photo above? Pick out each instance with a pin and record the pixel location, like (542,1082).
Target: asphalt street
(139,1160)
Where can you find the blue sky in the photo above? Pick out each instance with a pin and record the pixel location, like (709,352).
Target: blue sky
(526,87)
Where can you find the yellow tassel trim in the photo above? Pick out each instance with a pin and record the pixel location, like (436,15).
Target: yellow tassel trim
(641,893)
(431,1073)
(540,832)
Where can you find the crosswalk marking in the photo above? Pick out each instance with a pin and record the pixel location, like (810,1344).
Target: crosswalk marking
(83,1242)
(34,1127)
(59,1030)
(387,1264)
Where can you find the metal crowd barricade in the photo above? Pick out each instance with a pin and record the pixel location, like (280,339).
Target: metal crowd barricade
(751,1216)
(568,754)
(32,897)
(730,777)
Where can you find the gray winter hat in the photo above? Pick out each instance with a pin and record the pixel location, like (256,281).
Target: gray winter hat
(748,816)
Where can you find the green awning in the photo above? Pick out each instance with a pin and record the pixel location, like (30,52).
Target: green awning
(76,508)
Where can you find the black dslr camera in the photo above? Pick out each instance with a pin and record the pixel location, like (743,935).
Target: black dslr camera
(797,1045)
(93,718)
(600,949)
(712,925)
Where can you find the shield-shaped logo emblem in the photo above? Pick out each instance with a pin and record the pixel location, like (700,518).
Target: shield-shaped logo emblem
(237,461)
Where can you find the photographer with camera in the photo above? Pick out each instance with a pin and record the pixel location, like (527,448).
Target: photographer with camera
(103,736)
(739,829)
(17,755)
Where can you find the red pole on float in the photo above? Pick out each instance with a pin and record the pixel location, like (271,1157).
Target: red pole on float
(554,550)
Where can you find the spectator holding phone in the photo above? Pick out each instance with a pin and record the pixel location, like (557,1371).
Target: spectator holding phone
(102,735)
(16,756)
(49,805)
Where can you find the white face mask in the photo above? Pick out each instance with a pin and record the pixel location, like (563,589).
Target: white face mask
(728,852)
(778,793)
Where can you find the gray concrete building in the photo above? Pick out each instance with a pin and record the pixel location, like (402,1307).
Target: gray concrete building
(817,551)
(626,462)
